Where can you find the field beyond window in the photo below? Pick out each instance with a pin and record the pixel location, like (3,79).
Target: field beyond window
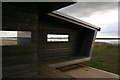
(14,37)
(57,38)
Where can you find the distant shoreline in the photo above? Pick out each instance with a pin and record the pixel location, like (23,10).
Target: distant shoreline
(97,40)
(109,41)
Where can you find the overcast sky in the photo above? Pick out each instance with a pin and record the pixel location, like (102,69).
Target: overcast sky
(101,14)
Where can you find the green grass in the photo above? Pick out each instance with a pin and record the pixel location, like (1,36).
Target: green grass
(8,42)
(104,57)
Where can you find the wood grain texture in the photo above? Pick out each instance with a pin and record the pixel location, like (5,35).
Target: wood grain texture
(57,49)
(23,61)
(20,61)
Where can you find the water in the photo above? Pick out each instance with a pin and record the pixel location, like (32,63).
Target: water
(109,41)
(8,38)
(57,40)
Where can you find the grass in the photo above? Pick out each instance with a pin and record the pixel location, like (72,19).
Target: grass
(8,42)
(104,57)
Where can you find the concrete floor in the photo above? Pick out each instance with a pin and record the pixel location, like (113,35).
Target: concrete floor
(88,72)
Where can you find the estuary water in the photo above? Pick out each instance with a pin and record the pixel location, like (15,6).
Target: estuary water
(109,41)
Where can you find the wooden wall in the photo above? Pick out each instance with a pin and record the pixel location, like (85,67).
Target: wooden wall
(87,42)
(80,43)
(20,61)
(59,50)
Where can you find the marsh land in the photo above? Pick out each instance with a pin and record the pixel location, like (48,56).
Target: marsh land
(104,57)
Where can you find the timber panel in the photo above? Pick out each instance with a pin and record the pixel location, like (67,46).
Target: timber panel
(20,61)
(58,50)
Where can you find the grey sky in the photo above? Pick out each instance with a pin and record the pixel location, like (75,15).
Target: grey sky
(85,9)
(102,14)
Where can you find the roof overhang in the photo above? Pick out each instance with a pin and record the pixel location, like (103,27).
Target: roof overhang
(71,19)
(48,9)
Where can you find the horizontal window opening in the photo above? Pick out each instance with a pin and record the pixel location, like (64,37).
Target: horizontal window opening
(57,38)
(14,37)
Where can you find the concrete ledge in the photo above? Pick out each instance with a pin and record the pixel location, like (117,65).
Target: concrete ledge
(69,62)
(89,72)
